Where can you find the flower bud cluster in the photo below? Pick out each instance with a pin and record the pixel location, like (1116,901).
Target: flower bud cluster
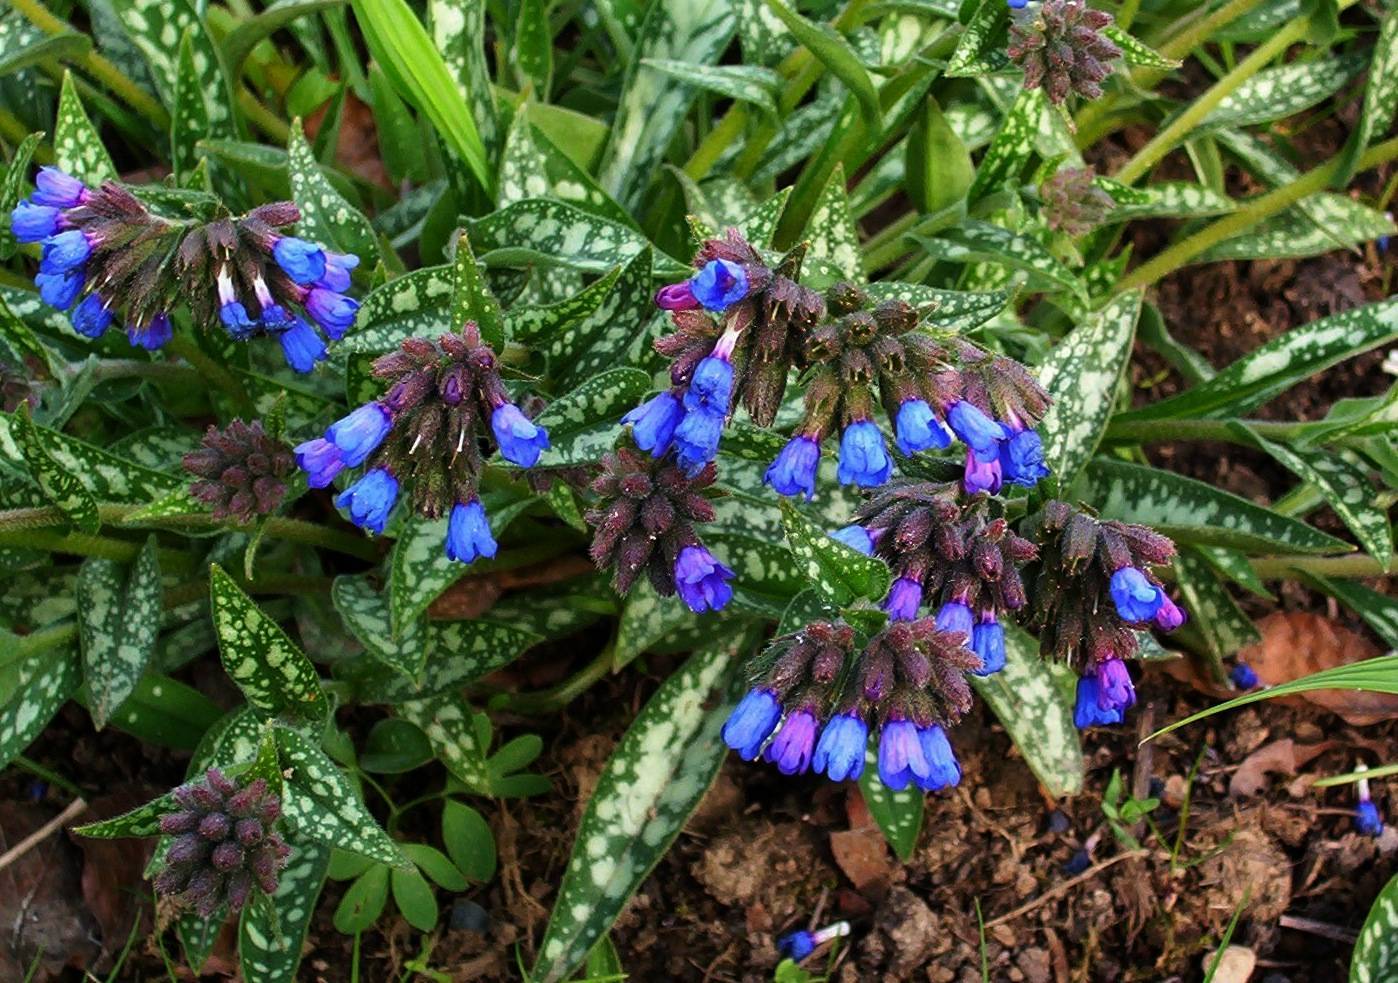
(110,260)
(1093,591)
(241,470)
(427,432)
(224,844)
(1072,203)
(645,520)
(1061,46)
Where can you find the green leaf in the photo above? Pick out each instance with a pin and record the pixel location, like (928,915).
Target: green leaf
(533,167)
(253,30)
(119,616)
(646,618)
(363,902)
(595,344)
(842,573)
(1282,91)
(835,53)
(938,169)
(269,948)
(274,675)
(189,122)
(326,217)
(1193,512)
(321,805)
(953,310)
(1280,364)
(1375,956)
(1212,610)
(1009,152)
(547,233)
(165,711)
(400,44)
(434,864)
(471,299)
(1081,373)
(555,328)
(1033,699)
(1135,52)
(156,27)
(59,485)
(25,46)
(1320,224)
(404,307)
(144,820)
(449,724)
(653,781)
(415,900)
(898,814)
(77,148)
(533,47)
(109,477)
(32,693)
(1379,611)
(395,746)
(981,48)
(1165,199)
(458,30)
(365,612)
(831,232)
(15,180)
(744,83)
(469,841)
(981,241)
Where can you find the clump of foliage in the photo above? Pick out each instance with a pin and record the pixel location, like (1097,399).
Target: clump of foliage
(810,326)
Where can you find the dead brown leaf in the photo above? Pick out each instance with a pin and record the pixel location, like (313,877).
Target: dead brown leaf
(1298,643)
(1283,757)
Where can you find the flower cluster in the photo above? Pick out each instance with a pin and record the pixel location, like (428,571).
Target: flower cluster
(910,679)
(110,260)
(1061,46)
(1072,203)
(427,431)
(1093,591)
(645,521)
(225,844)
(241,470)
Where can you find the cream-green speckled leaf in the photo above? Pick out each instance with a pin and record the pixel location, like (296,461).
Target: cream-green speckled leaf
(118,622)
(616,326)
(553,326)
(1032,697)
(189,120)
(462,652)
(156,27)
(1273,368)
(16,176)
(1135,52)
(62,487)
(532,167)
(1381,89)
(144,820)
(418,303)
(1282,91)
(744,83)
(1013,145)
(167,510)
(274,675)
(22,45)
(652,103)
(898,814)
(976,241)
(270,952)
(1081,374)
(766,575)
(646,618)
(160,448)
(584,424)
(1214,614)
(951,310)
(449,724)
(544,232)
(838,55)
(109,477)
(803,133)
(320,804)
(458,31)
(981,48)
(842,573)
(1375,957)
(77,148)
(1379,611)
(1193,512)
(365,612)
(326,217)
(1164,199)
(471,299)
(831,230)
(653,781)
(1321,224)
(35,690)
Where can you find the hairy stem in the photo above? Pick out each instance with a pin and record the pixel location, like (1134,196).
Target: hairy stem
(1353,565)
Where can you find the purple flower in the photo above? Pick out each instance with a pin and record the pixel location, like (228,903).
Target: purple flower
(981,476)
(332,311)
(58,189)
(751,722)
(900,754)
(521,440)
(1022,459)
(856,538)
(468,532)
(696,440)
(719,285)
(33,222)
(676,297)
(59,290)
(840,751)
(794,470)
(337,271)
(976,430)
(904,598)
(91,317)
(303,261)
(955,615)
(65,251)
(321,461)
(1243,676)
(151,335)
(301,346)
(864,459)
(701,580)
(359,433)
(918,429)
(943,770)
(653,423)
(790,750)
(1104,696)
(988,642)
(370,499)
(1136,598)
(1170,616)
(1114,684)
(711,387)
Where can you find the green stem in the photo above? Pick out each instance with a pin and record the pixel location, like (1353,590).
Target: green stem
(312,534)
(97,66)
(214,373)
(556,697)
(28,646)
(52,777)
(263,118)
(716,141)
(1353,565)
(1168,431)
(110,369)
(87,544)
(1254,212)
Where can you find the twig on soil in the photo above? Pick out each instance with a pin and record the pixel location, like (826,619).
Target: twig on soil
(1323,929)
(1065,887)
(75,808)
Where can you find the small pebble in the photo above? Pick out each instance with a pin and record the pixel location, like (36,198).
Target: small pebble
(468,916)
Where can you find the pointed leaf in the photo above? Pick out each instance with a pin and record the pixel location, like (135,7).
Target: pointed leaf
(326,217)
(119,617)
(842,573)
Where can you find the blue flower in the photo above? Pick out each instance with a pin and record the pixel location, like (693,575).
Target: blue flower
(59,290)
(235,320)
(976,430)
(359,433)
(864,457)
(711,386)
(151,335)
(794,470)
(65,251)
(1367,819)
(91,317)
(1170,616)
(468,532)
(301,346)
(790,750)
(981,476)
(303,261)
(1088,710)
(1114,684)
(856,538)
(943,770)
(1018,4)
(1243,676)
(32,222)
(653,423)
(840,751)
(521,440)
(719,285)
(274,317)
(696,440)
(918,429)
(1135,597)
(796,945)
(1022,459)
(321,460)
(337,271)
(332,311)
(900,754)
(904,598)
(955,615)
(751,722)
(370,499)
(1105,695)
(57,188)
(988,642)
(701,580)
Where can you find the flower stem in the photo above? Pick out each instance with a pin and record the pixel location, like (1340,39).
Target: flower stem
(1353,565)
(213,373)
(556,697)
(87,544)
(1168,431)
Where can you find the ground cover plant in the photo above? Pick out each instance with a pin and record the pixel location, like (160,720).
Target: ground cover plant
(385,381)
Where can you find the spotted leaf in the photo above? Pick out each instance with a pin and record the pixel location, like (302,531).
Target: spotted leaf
(898,814)
(548,233)
(270,940)
(365,612)
(326,217)
(59,485)
(77,148)
(418,303)
(119,617)
(1375,957)
(842,573)
(33,692)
